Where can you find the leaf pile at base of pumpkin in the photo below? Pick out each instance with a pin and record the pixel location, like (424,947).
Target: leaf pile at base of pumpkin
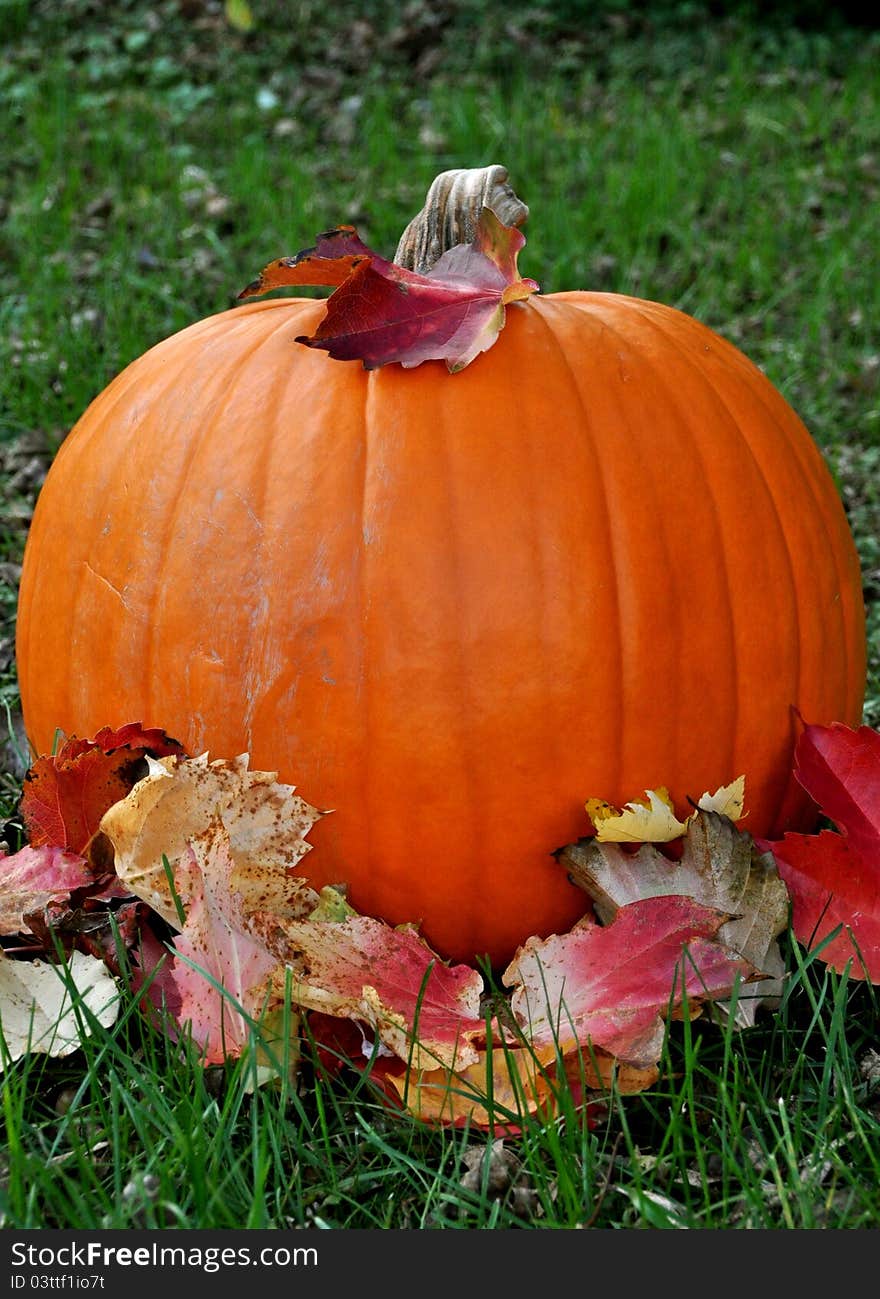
(194,869)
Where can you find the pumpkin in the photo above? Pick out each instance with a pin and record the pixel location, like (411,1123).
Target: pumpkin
(606,556)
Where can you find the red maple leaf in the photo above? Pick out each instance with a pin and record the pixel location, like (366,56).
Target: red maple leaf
(381,312)
(66,793)
(834,877)
(612,986)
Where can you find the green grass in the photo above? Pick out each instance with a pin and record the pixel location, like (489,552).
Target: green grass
(149,166)
(776,1130)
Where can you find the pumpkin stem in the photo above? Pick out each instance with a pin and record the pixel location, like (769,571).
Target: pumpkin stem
(451,212)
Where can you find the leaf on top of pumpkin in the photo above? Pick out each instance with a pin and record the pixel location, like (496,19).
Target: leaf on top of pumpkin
(652,819)
(177,801)
(65,794)
(382,313)
(834,878)
(33,877)
(719,867)
(611,987)
(426,1012)
(42,1005)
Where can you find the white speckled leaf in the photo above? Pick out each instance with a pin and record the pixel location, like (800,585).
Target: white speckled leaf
(41,1004)
(179,800)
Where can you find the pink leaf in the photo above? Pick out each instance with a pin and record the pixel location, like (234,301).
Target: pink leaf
(217,949)
(612,986)
(33,877)
(391,980)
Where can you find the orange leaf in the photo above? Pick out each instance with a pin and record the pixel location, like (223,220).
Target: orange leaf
(66,794)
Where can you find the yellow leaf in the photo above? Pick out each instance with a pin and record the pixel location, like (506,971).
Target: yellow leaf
(648,820)
(652,819)
(727,801)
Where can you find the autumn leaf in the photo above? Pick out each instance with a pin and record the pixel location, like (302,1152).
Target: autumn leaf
(152,981)
(60,887)
(834,876)
(133,735)
(48,1008)
(612,986)
(176,802)
(223,974)
(211,848)
(66,793)
(501,1087)
(382,313)
(719,867)
(652,819)
(840,770)
(426,1012)
(832,887)
(33,877)
(507,1084)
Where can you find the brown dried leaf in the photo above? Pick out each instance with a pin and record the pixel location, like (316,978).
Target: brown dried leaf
(179,800)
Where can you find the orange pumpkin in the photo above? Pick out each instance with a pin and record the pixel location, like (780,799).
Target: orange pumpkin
(606,556)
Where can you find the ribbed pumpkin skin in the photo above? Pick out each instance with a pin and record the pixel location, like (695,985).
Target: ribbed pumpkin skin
(606,556)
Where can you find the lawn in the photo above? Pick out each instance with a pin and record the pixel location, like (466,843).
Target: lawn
(150,164)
